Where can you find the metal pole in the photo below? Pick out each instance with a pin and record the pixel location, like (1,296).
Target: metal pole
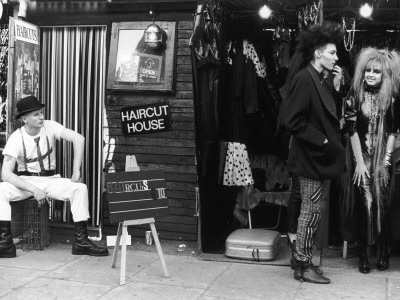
(321,12)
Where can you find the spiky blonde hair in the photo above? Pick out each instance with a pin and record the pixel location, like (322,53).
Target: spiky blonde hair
(389,63)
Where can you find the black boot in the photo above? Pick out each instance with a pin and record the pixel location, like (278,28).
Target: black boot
(7,246)
(296,268)
(292,246)
(83,245)
(383,260)
(297,271)
(363,263)
(310,274)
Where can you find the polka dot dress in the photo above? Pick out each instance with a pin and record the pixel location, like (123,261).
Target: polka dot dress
(250,52)
(237,170)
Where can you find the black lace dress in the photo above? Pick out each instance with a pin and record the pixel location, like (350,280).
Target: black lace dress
(363,118)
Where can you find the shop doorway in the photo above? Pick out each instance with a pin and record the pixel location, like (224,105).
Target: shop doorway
(237,103)
(73,88)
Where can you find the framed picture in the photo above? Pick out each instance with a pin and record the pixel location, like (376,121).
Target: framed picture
(135,64)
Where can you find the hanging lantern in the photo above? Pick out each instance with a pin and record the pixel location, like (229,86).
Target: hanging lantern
(366,10)
(265,12)
(153,36)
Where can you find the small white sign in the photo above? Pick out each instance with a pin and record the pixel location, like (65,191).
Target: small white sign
(111,240)
(131,164)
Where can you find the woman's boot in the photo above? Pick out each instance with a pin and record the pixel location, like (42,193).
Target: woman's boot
(383,259)
(7,246)
(363,264)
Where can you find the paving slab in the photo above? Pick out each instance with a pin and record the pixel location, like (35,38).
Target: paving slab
(156,291)
(47,288)
(98,269)
(87,269)
(218,298)
(55,273)
(243,281)
(334,258)
(344,285)
(184,271)
(393,288)
(47,259)
(12,279)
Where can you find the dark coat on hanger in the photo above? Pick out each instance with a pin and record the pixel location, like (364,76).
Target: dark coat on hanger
(311,117)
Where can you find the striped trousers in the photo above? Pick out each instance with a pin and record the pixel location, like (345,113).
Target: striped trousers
(314,195)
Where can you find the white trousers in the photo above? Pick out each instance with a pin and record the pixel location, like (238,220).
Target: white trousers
(55,187)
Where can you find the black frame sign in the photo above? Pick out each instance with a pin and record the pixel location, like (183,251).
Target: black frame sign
(136,195)
(136,120)
(134,66)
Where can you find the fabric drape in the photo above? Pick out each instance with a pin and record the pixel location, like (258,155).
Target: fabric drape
(73,87)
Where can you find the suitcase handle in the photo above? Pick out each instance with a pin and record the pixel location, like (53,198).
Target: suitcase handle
(256,257)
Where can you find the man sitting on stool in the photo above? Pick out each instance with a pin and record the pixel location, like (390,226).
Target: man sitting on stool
(32,148)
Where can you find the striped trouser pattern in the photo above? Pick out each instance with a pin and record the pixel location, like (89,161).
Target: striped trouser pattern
(314,194)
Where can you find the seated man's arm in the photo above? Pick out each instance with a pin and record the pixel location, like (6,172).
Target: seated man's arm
(78,142)
(8,175)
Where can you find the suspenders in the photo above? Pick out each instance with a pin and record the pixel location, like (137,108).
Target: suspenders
(49,150)
(23,145)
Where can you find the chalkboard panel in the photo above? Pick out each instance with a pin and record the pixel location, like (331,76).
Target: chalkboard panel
(136,195)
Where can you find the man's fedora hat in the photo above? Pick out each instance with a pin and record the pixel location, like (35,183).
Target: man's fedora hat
(28,104)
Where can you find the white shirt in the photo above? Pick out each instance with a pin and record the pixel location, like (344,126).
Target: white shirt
(19,139)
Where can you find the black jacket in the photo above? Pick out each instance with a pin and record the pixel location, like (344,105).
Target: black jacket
(311,117)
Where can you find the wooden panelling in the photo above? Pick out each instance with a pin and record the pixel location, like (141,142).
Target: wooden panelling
(184,77)
(169,134)
(184,34)
(184,60)
(184,69)
(172,151)
(177,177)
(184,51)
(184,86)
(184,94)
(154,141)
(164,233)
(181,203)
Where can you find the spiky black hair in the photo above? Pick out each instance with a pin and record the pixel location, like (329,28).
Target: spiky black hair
(317,36)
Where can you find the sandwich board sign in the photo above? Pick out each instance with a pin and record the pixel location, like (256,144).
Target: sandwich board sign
(136,198)
(136,195)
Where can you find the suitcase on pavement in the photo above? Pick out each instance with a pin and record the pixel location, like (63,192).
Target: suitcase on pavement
(253,244)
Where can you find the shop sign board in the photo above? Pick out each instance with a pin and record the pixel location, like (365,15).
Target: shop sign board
(142,119)
(149,68)
(23,65)
(136,195)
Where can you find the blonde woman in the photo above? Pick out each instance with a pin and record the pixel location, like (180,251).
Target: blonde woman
(371,113)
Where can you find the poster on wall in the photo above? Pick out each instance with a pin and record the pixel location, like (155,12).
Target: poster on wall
(134,65)
(23,65)
(3,83)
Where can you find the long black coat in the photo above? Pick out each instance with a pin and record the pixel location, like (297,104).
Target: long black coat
(311,117)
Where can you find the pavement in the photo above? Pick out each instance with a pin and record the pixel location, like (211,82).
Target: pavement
(54,273)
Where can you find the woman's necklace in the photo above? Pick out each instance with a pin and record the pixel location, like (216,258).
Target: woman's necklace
(371,107)
(372,110)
